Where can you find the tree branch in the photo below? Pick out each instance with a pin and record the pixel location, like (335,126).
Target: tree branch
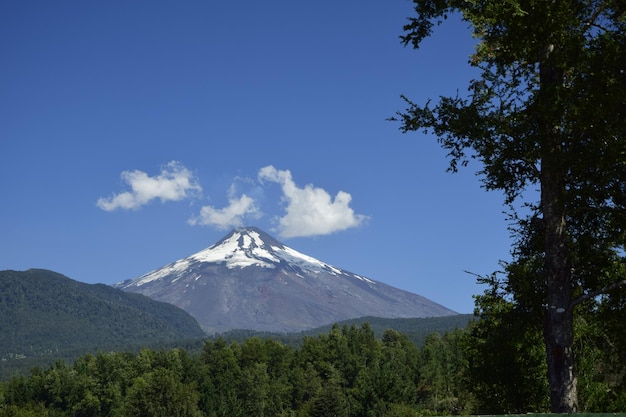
(594,16)
(596,293)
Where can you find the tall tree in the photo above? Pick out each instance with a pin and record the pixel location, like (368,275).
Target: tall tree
(506,363)
(548,110)
(160,394)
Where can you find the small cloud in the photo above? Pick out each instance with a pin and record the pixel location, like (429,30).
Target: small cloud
(311,211)
(230,216)
(174,183)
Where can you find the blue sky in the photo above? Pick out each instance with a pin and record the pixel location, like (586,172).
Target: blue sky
(134,134)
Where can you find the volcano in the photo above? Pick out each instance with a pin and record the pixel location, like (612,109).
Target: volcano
(249,280)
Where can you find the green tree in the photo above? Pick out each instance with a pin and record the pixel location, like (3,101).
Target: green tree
(306,383)
(442,371)
(601,365)
(254,388)
(224,376)
(161,394)
(547,111)
(399,370)
(254,380)
(506,362)
(108,376)
(331,400)
(36,410)
(279,360)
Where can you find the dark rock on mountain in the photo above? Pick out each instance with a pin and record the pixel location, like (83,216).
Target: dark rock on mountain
(249,280)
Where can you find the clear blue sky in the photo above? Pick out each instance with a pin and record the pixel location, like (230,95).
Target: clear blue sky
(135,133)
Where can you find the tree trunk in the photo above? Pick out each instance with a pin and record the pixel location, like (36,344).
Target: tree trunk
(558,328)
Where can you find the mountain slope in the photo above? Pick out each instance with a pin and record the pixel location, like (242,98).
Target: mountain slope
(249,280)
(43,313)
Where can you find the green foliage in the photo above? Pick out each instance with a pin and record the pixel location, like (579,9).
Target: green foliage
(102,337)
(506,359)
(160,393)
(443,367)
(330,400)
(44,316)
(346,372)
(495,365)
(601,365)
(547,111)
(416,329)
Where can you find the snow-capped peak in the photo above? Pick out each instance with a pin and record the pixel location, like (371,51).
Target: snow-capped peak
(251,247)
(242,248)
(245,247)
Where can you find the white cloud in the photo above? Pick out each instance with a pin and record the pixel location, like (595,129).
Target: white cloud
(311,211)
(230,216)
(174,183)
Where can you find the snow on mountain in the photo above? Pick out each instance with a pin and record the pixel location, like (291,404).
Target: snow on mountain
(244,247)
(250,280)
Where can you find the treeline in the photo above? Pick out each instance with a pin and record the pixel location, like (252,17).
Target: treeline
(347,372)
(79,342)
(415,329)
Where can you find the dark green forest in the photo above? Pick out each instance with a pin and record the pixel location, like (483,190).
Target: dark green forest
(348,371)
(46,316)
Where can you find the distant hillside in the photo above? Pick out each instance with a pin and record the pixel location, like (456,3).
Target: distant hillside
(416,329)
(44,314)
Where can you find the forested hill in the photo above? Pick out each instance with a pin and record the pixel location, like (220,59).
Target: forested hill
(45,314)
(415,329)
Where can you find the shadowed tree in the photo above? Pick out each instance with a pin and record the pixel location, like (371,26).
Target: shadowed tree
(548,111)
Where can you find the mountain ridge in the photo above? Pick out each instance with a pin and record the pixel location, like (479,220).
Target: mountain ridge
(43,312)
(250,280)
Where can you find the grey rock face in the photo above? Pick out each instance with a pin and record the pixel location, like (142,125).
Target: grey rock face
(249,280)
